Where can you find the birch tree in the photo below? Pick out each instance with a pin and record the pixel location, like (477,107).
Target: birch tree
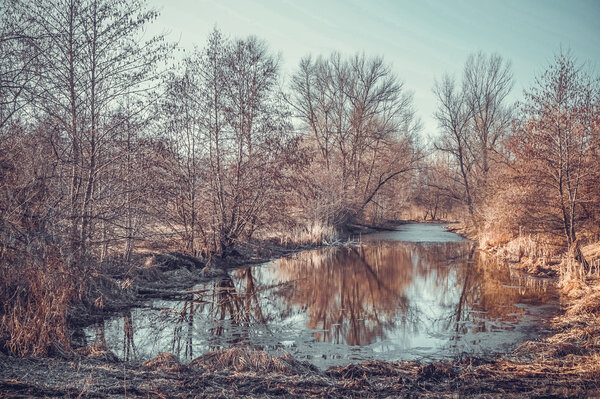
(91,58)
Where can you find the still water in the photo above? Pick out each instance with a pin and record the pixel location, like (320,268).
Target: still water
(416,293)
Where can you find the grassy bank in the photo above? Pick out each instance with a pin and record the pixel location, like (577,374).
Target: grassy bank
(573,348)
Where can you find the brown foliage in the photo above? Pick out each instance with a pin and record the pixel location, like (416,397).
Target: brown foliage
(554,167)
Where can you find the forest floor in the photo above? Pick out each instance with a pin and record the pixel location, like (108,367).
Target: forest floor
(563,364)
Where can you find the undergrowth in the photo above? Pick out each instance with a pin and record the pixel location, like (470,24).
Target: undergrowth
(35,296)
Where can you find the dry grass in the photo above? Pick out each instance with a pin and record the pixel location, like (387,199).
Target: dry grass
(305,234)
(587,304)
(223,375)
(492,238)
(164,361)
(575,281)
(563,365)
(35,299)
(246,359)
(527,249)
(591,252)
(572,278)
(98,351)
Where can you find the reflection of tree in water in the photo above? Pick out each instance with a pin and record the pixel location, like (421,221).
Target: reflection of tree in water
(357,295)
(353,294)
(100,336)
(490,288)
(240,305)
(185,318)
(128,344)
(223,305)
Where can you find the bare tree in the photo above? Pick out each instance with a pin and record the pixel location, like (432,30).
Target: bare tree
(358,113)
(183,122)
(85,73)
(89,60)
(454,117)
(232,139)
(486,85)
(555,142)
(16,64)
(473,118)
(258,130)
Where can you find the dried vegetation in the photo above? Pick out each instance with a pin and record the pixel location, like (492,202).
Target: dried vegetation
(534,370)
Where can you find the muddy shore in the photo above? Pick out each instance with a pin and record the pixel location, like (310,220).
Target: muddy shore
(244,372)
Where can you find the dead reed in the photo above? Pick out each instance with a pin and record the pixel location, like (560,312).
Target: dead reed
(35,298)
(245,358)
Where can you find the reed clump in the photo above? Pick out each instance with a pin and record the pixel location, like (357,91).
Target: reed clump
(164,361)
(35,296)
(309,233)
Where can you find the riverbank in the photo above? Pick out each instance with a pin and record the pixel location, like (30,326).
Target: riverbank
(163,274)
(51,308)
(531,371)
(574,343)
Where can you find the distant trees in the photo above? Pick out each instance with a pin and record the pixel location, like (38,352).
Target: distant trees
(435,192)
(362,125)
(535,171)
(473,117)
(555,147)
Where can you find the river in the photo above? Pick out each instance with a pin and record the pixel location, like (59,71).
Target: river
(419,292)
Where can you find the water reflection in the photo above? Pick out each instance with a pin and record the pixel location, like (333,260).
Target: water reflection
(128,344)
(358,296)
(350,295)
(183,330)
(389,300)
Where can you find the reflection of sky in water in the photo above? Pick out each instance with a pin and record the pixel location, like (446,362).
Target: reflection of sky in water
(415,232)
(390,300)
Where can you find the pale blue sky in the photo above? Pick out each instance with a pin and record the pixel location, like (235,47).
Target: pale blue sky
(422,39)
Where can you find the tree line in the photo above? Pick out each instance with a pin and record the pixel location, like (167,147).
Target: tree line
(108,144)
